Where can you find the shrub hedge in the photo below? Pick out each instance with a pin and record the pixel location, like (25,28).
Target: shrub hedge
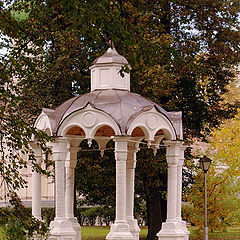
(85,215)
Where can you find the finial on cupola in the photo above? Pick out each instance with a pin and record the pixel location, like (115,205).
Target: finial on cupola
(111,43)
(106,69)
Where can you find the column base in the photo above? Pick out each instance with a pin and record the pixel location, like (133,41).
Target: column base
(61,229)
(76,226)
(173,230)
(120,231)
(134,228)
(184,228)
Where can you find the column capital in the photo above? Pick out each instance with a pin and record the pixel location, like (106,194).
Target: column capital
(133,149)
(173,143)
(60,148)
(133,144)
(121,147)
(37,150)
(181,155)
(173,149)
(121,138)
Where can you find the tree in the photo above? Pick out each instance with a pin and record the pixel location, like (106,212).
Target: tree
(16,130)
(151,179)
(99,189)
(223,199)
(181,52)
(223,176)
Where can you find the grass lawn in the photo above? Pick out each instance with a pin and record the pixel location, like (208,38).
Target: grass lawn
(232,233)
(100,233)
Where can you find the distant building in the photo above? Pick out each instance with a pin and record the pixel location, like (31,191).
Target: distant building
(47,189)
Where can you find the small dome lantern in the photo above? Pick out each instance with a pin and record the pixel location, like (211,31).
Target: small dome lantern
(105,71)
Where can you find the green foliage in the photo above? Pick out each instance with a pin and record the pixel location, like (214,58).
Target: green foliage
(48,214)
(151,172)
(223,176)
(223,199)
(181,52)
(15,231)
(2,234)
(18,222)
(95,178)
(225,142)
(93,215)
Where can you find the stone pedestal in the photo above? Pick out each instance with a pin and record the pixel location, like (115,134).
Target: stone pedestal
(62,230)
(76,227)
(172,231)
(134,228)
(120,231)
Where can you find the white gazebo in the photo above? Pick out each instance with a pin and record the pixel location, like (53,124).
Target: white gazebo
(110,112)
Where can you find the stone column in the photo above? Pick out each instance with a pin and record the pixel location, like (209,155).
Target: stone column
(130,177)
(69,194)
(179,191)
(59,189)
(120,229)
(173,228)
(60,228)
(36,183)
(179,182)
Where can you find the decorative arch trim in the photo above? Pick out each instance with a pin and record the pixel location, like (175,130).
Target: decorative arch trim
(153,121)
(89,119)
(43,123)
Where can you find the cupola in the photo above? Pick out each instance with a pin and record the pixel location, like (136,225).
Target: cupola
(105,71)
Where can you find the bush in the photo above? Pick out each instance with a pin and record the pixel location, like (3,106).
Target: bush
(18,223)
(95,215)
(85,216)
(2,234)
(14,230)
(48,214)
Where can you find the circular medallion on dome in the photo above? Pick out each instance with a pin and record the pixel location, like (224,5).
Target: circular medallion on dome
(152,121)
(88,119)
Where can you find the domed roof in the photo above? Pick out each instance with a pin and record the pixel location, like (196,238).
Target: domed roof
(110,56)
(123,106)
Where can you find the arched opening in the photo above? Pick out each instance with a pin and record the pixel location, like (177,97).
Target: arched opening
(138,132)
(76,130)
(95,183)
(105,131)
(159,132)
(151,176)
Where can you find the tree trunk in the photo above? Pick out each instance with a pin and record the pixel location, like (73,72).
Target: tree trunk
(164,209)
(166,18)
(156,214)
